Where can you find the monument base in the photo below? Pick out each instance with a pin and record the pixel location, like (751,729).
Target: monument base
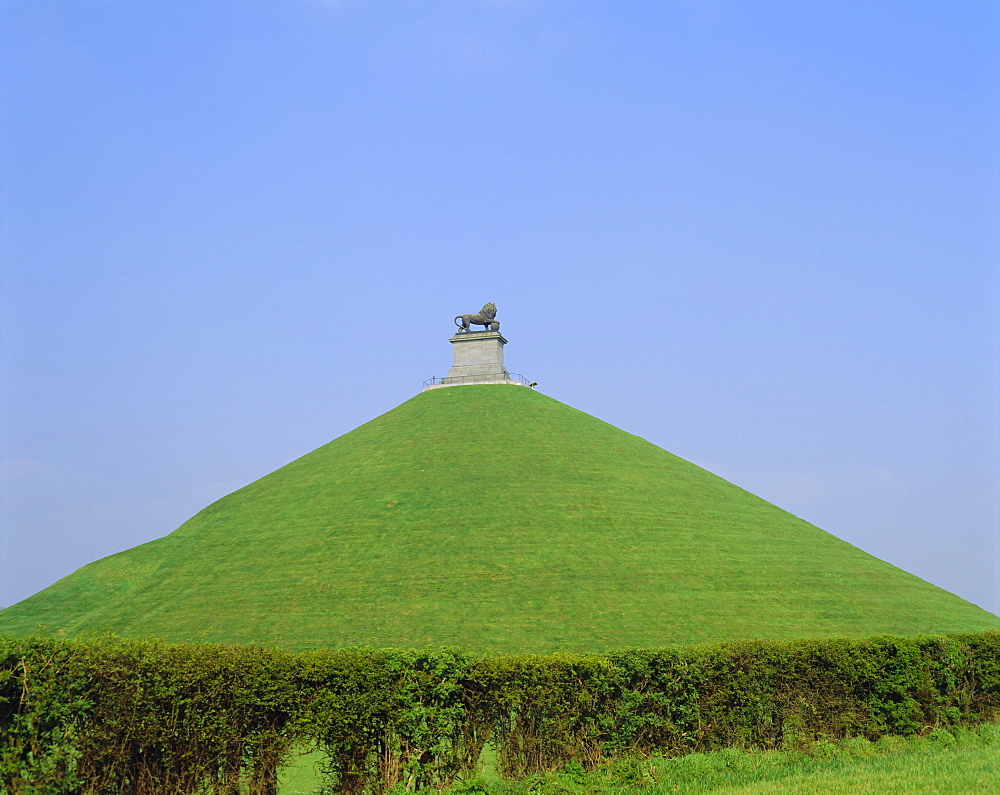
(478,360)
(478,353)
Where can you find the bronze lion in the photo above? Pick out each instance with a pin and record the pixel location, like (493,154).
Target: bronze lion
(483,318)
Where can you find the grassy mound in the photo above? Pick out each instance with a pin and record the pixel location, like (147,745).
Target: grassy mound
(494,518)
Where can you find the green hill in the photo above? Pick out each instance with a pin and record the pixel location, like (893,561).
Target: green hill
(494,518)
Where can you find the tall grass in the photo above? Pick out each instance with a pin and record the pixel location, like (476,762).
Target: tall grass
(961,761)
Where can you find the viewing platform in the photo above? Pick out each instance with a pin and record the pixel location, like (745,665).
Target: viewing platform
(512,378)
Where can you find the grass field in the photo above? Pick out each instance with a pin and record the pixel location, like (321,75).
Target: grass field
(963,761)
(496,519)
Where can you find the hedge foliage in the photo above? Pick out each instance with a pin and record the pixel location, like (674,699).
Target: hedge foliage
(116,716)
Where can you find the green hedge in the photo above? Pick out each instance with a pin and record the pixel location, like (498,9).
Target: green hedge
(115,716)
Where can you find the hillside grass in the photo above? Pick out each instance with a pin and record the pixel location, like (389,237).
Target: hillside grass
(496,519)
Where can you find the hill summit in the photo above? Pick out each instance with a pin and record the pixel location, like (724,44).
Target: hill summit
(495,518)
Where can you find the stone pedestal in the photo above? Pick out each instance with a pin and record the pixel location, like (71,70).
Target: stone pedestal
(478,355)
(478,360)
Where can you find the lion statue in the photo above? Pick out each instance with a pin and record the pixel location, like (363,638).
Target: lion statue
(483,318)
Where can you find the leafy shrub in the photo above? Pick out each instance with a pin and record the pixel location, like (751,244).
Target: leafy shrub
(115,716)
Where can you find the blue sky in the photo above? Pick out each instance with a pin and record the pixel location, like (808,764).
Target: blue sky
(761,235)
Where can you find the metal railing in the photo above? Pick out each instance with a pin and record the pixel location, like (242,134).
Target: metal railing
(476,379)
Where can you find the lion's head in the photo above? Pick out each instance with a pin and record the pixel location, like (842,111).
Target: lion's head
(490,310)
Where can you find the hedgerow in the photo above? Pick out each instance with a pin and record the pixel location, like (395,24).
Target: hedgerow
(117,716)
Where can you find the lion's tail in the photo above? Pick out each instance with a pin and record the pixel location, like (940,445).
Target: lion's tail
(457,318)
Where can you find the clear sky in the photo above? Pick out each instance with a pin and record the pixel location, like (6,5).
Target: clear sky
(761,235)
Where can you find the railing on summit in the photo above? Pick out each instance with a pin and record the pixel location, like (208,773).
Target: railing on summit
(476,379)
